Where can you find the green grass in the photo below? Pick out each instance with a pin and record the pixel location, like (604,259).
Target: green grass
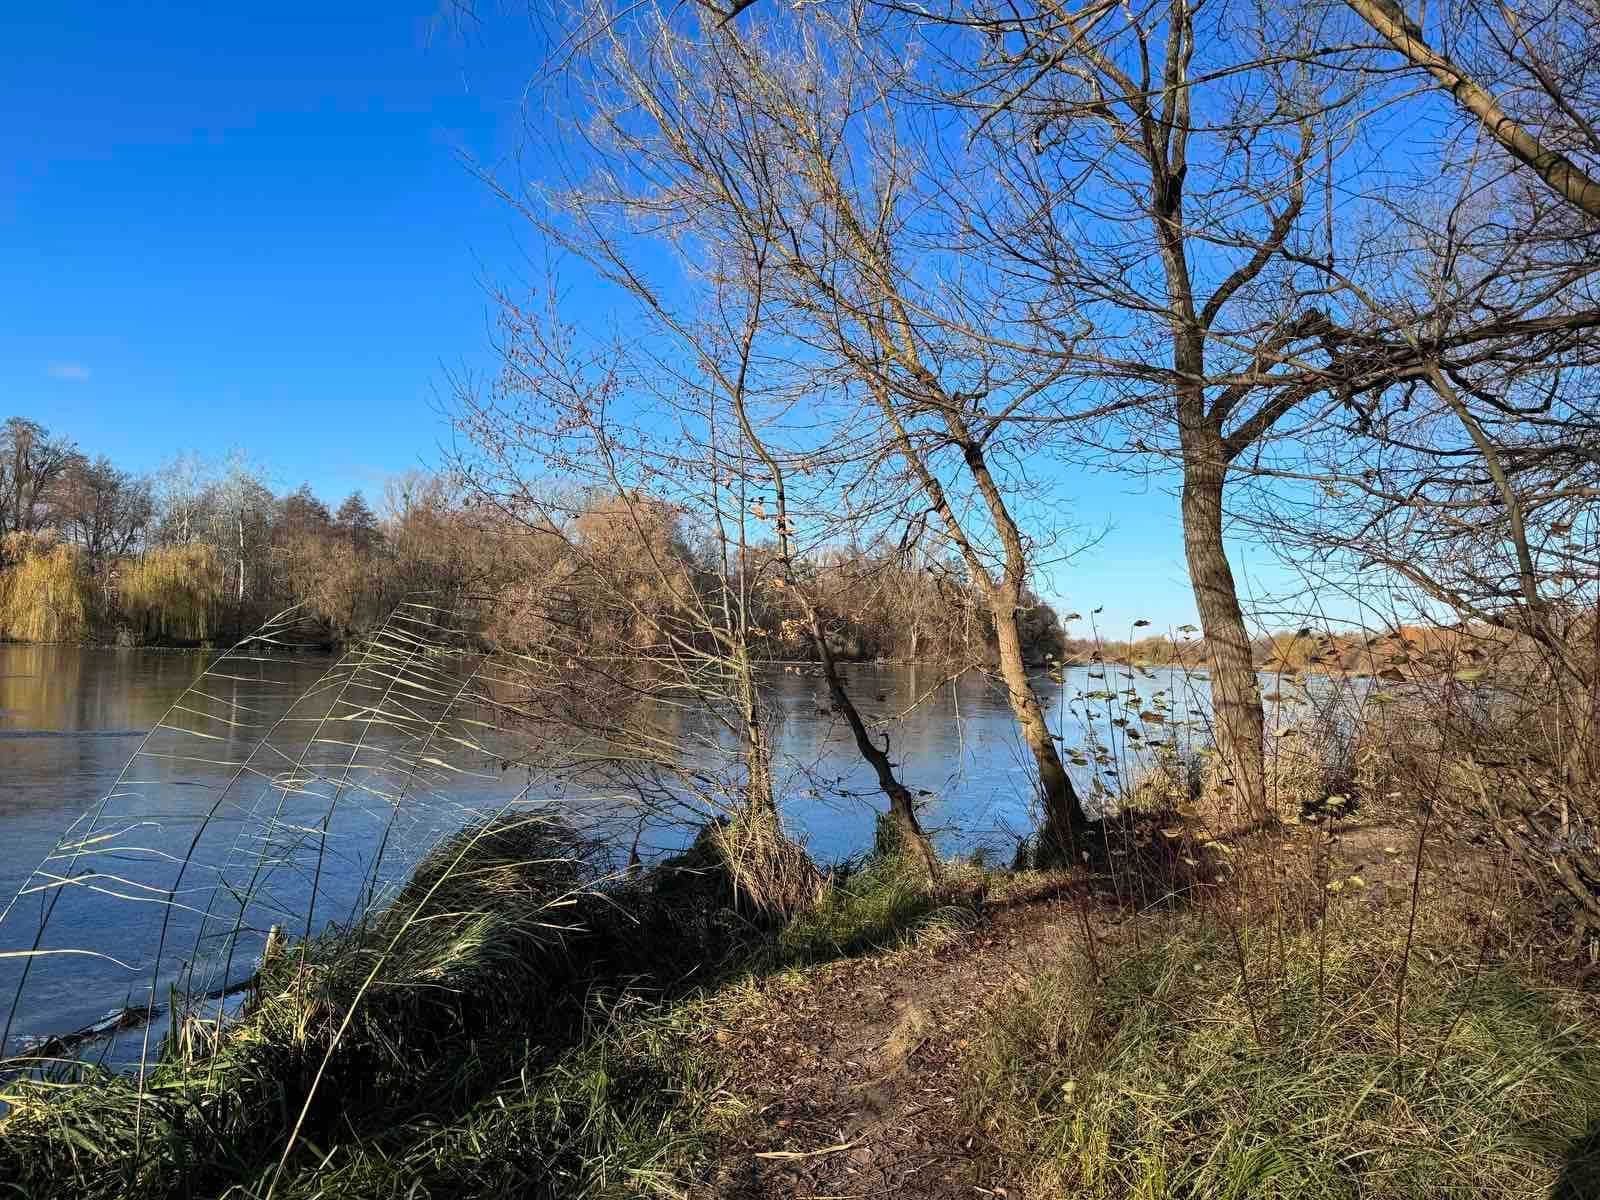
(627,1109)
(1154,1083)
(883,903)
(632,1109)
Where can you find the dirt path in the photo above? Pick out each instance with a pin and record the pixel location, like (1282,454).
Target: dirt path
(852,1069)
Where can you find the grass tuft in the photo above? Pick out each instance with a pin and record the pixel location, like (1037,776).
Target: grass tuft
(631,1109)
(880,904)
(772,875)
(1155,1083)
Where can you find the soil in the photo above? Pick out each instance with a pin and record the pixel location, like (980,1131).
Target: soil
(852,1070)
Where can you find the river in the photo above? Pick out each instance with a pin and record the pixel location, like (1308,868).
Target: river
(71,717)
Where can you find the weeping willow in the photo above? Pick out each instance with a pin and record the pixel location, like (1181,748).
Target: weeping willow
(45,591)
(173,591)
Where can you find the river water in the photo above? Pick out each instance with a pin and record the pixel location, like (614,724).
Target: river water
(71,717)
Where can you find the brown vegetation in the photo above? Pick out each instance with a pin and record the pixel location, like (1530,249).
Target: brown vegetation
(45,593)
(162,562)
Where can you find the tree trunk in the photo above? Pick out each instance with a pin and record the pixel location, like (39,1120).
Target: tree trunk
(902,806)
(1235,696)
(1064,817)
(759,800)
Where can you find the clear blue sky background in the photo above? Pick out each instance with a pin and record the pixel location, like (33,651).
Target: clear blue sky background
(251,226)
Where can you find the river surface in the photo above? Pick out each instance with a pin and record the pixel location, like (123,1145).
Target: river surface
(71,718)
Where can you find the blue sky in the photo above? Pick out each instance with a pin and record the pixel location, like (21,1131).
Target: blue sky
(252,226)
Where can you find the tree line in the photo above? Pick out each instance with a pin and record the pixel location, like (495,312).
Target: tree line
(203,551)
(200,551)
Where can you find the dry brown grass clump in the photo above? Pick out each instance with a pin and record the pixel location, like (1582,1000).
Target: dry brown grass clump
(1167,783)
(1298,769)
(1395,754)
(771,873)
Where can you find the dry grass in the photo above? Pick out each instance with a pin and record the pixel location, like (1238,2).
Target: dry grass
(1172,1076)
(772,874)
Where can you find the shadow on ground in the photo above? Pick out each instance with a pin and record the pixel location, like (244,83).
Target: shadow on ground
(1580,1174)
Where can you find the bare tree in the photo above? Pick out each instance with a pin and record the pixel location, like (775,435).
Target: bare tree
(1145,183)
(1180,198)
(240,510)
(780,158)
(796,579)
(651,604)
(1469,465)
(1525,74)
(31,463)
(179,488)
(1466,466)
(105,510)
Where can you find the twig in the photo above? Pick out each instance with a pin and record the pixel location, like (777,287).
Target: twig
(787,1154)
